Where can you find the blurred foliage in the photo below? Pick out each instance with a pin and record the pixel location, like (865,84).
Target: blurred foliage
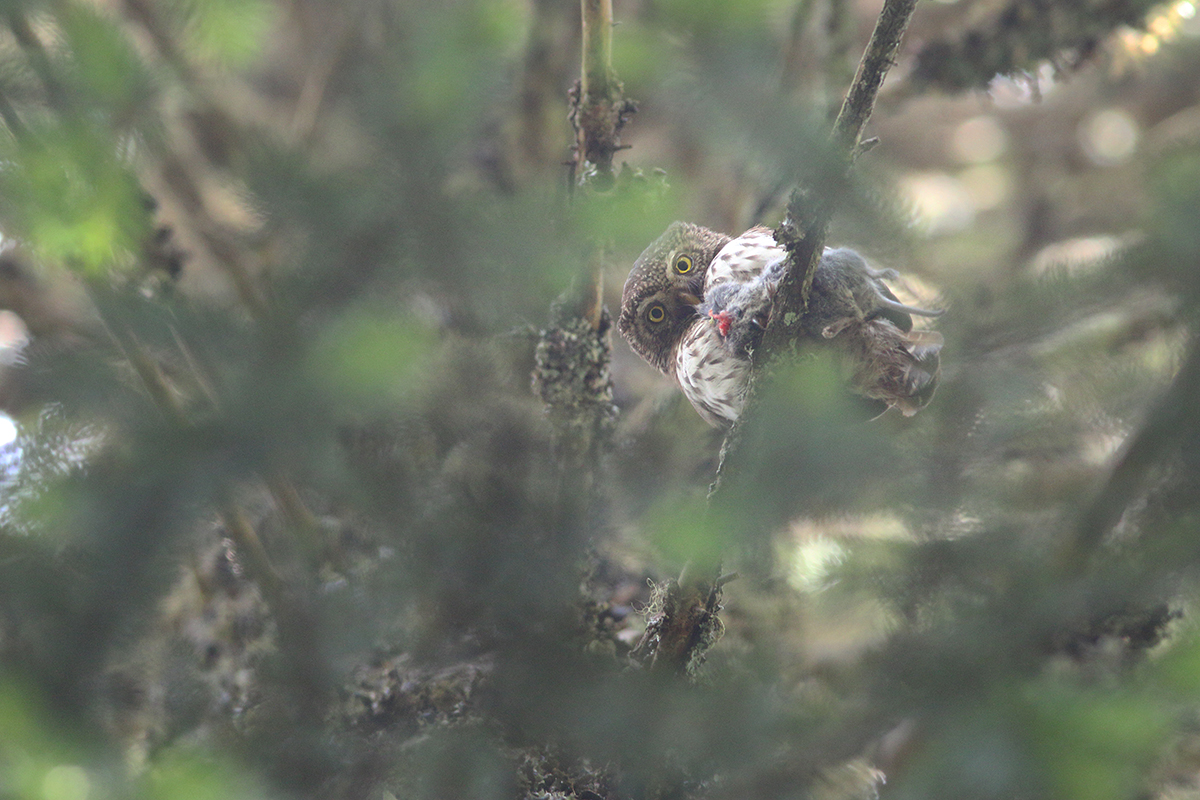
(1020,36)
(284,517)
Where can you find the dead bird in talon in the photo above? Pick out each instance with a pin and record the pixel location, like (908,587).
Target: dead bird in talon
(705,346)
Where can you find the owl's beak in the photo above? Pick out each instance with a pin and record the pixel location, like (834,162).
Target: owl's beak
(689,299)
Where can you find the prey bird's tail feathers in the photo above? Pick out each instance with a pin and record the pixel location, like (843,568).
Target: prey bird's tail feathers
(900,368)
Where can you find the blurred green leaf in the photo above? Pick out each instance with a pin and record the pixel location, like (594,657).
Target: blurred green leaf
(636,54)
(230,32)
(373,361)
(1175,184)
(110,72)
(73,199)
(1095,743)
(684,530)
(36,759)
(1179,668)
(807,450)
(193,775)
(457,48)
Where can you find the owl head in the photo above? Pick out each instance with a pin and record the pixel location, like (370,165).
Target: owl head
(663,288)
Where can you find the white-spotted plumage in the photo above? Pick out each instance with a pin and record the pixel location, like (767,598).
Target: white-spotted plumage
(712,378)
(743,258)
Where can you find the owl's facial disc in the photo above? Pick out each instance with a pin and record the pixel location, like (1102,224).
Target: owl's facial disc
(658,324)
(670,273)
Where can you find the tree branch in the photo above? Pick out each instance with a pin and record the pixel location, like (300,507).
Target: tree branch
(1168,423)
(571,374)
(599,109)
(597,74)
(878,58)
(811,205)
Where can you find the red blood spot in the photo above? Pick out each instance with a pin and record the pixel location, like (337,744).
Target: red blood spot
(723,321)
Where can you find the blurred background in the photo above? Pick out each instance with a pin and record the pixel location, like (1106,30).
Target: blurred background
(318,482)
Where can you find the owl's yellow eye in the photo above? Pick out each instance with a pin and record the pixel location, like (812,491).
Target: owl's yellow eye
(656,313)
(683,265)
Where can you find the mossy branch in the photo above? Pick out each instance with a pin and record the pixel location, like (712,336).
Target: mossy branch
(1168,423)
(599,109)
(573,353)
(812,203)
(683,623)
(811,207)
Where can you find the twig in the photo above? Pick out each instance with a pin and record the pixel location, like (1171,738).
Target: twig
(253,555)
(591,306)
(599,82)
(39,59)
(288,607)
(318,73)
(810,208)
(597,119)
(178,177)
(12,120)
(571,370)
(878,58)
(1167,423)
(684,623)
(599,109)
(164,45)
(169,405)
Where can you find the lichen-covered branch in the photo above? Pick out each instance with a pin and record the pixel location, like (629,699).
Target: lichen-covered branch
(571,375)
(812,203)
(599,109)
(1167,425)
(810,207)
(572,378)
(683,623)
(1015,37)
(878,58)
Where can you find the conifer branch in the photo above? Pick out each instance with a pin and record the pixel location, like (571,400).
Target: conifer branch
(1169,422)
(811,207)
(599,109)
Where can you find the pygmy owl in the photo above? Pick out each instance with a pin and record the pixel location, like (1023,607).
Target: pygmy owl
(658,312)
(696,303)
